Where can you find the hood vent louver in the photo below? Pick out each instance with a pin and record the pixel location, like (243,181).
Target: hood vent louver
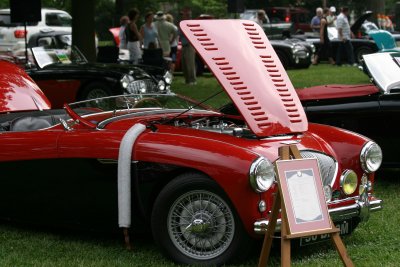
(250,72)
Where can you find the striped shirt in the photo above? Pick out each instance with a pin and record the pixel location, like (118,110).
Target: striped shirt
(343,23)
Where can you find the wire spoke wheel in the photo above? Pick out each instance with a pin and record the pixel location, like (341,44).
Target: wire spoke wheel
(201,224)
(96,93)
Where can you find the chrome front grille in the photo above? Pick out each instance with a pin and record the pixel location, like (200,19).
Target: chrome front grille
(151,86)
(328,165)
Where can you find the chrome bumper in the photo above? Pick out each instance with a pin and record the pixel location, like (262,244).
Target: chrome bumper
(361,209)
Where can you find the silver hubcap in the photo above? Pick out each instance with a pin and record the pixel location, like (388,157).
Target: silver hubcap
(201,225)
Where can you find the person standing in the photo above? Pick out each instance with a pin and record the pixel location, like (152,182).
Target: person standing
(316,20)
(149,32)
(325,48)
(331,18)
(344,35)
(123,42)
(167,32)
(133,36)
(174,43)
(188,57)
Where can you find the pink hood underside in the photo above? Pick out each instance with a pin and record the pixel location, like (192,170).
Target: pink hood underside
(245,64)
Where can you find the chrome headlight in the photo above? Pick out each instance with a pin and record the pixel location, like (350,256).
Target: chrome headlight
(313,48)
(132,86)
(349,182)
(161,85)
(262,175)
(371,157)
(168,77)
(126,80)
(297,47)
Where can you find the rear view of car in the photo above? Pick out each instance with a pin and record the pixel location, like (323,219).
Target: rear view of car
(299,17)
(12,35)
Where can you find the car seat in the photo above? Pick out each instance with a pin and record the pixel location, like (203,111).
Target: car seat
(23,124)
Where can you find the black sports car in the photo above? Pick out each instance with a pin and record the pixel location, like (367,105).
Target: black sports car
(294,53)
(372,109)
(65,75)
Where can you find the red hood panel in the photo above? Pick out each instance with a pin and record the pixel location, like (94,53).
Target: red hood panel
(245,64)
(336,91)
(18,92)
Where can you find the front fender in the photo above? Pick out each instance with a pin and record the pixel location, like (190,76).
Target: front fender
(226,163)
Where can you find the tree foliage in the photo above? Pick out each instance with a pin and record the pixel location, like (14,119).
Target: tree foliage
(108,12)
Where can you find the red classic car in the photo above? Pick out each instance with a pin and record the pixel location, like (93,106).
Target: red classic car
(201,180)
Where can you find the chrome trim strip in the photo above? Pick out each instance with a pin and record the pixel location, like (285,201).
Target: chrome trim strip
(343,200)
(337,214)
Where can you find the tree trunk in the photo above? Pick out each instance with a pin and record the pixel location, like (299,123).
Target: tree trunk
(83,32)
(119,11)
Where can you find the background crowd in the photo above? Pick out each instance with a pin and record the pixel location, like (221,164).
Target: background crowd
(325,18)
(156,41)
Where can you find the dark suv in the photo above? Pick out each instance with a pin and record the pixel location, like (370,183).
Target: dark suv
(299,17)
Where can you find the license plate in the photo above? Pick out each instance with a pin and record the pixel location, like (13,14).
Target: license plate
(344,227)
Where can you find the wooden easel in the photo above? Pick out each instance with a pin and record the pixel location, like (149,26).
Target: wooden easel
(287,153)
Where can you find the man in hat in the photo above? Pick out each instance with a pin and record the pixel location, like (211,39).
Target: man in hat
(167,33)
(331,18)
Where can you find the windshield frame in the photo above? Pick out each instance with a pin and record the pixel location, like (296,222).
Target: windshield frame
(133,105)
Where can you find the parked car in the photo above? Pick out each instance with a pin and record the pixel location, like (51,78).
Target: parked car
(370,109)
(105,54)
(385,41)
(294,53)
(12,35)
(203,181)
(364,26)
(65,75)
(299,17)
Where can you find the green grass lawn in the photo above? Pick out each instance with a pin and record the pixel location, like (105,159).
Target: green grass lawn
(315,75)
(374,243)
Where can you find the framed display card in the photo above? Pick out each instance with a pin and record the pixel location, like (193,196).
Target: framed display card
(303,197)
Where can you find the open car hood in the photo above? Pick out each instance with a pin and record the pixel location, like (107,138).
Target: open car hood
(384,69)
(245,64)
(18,92)
(357,24)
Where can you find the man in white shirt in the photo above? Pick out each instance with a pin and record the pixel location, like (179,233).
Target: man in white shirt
(344,34)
